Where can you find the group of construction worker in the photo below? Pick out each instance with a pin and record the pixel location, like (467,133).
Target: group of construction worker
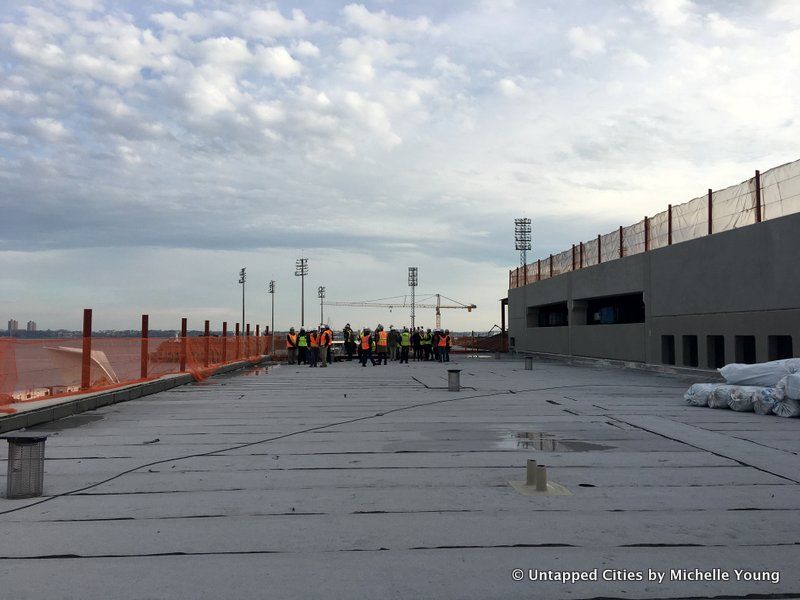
(310,347)
(377,347)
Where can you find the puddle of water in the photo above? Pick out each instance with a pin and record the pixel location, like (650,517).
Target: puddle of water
(254,372)
(546,442)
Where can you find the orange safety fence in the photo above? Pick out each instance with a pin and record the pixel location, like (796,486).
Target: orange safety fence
(769,195)
(37,369)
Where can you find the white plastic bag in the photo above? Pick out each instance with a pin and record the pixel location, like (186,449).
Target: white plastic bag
(698,393)
(764,374)
(793,386)
(787,408)
(766,400)
(719,396)
(741,398)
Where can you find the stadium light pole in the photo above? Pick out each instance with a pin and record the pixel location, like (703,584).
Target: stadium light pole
(522,239)
(321,296)
(301,270)
(272,320)
(242,279)
(413,281)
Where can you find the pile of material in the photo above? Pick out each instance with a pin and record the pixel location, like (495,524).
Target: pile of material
(765,388)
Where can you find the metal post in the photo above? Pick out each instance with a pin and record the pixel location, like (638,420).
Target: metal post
(599,250)
(242,280)
(669,225)
(454,380)
(224,341)
(86,356)
(551,265)
(758,196)
(237,337)
(621,251)
(207,344)
(413,282)
(258,340)
(538,269)
(528,363)
(710,212)
(183,344)
(581,255)
(247,341)
(272,318)
(541,478)
(573,257)
(145,351)
(530,473)
(525,274)
(646,234)
(301,270)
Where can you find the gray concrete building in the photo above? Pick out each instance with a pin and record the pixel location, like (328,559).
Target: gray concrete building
(729,297)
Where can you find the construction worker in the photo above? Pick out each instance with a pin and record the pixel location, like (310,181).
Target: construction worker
(405,343)
(349,341)
(425,340)
(302,348)
(382,343)
(329,353)
(313,342)
(435,345)
(441,346)
(447,343)
(291,347)
(366,348)
(392,342)
(416,344)
(358,344)
(324,341)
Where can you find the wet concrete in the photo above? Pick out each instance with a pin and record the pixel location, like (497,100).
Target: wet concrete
(347,482)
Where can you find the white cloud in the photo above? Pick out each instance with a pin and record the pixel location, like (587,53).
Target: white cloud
(508,88)
(305,48)
(49,129)
(383,24)
(277,61)
(669,13)
(271,24)
(586,41)
(633,59)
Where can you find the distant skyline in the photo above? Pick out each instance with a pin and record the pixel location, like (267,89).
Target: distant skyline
(149,150)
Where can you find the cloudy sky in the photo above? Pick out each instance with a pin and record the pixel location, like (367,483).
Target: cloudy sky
(148,150)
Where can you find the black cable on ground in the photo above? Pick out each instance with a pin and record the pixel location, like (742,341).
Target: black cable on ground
(317,428)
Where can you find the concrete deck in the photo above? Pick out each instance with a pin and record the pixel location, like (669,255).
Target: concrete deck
(353,482)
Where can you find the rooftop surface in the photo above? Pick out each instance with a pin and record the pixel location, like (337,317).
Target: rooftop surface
(377,482)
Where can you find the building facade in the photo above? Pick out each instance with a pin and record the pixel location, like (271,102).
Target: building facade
(13,326)
(729,297)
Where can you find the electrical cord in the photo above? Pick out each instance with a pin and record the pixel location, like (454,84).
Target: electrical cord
(311,429)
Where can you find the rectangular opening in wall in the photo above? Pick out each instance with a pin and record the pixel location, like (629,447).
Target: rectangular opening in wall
(548,315)
(780,347)
(615,310)
(746,349)
(715,346)
(668,349)
(690,351)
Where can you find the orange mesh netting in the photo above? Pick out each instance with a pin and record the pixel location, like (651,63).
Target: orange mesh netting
(36,369)
(735,206)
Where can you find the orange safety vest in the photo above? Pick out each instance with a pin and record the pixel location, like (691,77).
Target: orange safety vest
(325,338)
(442,341)
(291,341)
(314,340)
(365,341)
(383,338)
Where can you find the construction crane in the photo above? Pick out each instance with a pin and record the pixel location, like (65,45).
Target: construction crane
(402,302)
